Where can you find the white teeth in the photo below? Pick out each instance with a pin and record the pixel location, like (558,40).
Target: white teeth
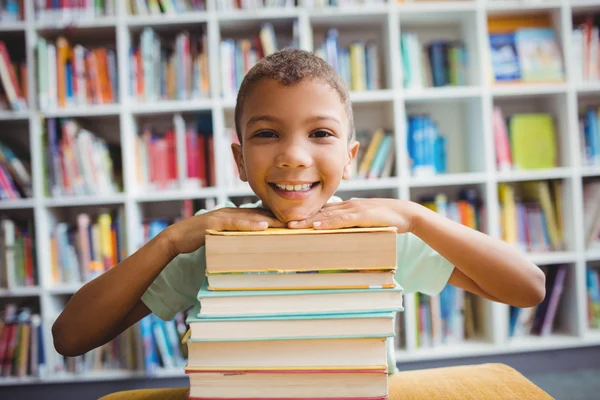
(295,188)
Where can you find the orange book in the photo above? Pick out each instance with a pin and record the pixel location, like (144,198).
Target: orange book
(500,24)
(63,53)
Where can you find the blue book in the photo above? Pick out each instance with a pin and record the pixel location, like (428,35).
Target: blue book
(228,304)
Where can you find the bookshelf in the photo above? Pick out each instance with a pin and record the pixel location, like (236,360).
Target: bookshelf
(464,112)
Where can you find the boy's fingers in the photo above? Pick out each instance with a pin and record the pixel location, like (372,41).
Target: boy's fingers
(345,220)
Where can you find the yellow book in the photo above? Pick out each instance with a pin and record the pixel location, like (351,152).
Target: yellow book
(357,66)
(104,223)
(509,212)
(540,190)
(532,140)
(367,159)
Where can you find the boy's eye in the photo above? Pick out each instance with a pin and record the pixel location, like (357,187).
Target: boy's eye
(321,134)
(266,134)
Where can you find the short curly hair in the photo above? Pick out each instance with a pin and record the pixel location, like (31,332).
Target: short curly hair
(290,66)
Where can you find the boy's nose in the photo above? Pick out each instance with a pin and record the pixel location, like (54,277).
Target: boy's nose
(293,156)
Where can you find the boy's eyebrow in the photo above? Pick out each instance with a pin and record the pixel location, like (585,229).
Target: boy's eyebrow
(317,118)
(258,118)
(270,118)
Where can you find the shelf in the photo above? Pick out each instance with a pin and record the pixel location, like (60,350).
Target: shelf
(16,204)
(520,7)
(517,345)
(258,15)
(13,26)
(369,184)
(458,350)
(371,96)
(528,89)
(590,87)
(592,254)
(64,288)
(6,115)
(84,200)
(590,171)
(553,257)
(534,175)
(176,195)
(171,106)
(467,178)
(77,23)
(442,93)
(84,111)
(167,19)
(20,292)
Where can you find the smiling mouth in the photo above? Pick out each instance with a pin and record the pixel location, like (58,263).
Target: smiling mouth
(301,187)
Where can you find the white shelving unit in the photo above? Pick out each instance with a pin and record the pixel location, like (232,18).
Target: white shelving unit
(471,161)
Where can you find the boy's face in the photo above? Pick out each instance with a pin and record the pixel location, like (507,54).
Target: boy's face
(295,149)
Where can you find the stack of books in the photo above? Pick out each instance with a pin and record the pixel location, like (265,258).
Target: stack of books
(294,314)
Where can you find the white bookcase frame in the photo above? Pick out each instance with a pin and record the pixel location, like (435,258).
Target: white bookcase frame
(402,185)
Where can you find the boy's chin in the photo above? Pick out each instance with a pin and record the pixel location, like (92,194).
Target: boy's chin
(286,216)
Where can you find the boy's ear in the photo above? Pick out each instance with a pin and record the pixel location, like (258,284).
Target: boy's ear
(239,160)
(352,151)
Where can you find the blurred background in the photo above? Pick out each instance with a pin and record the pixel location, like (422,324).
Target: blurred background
(116,119)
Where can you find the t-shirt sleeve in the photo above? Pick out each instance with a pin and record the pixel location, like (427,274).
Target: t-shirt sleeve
(420,268)
(176,288)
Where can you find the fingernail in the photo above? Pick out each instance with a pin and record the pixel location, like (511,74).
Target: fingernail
(263,224)
(293,223)
(317,223)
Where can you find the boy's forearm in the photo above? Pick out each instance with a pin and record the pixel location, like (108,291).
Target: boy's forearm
(496,267)
(93,314)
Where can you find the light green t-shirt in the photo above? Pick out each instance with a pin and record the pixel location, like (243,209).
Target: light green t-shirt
(419,269)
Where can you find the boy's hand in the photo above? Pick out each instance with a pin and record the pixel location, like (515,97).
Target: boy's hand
(362,213)
(188,235)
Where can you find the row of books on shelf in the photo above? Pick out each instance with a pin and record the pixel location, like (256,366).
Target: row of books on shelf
(21,343)
(426,146)
(358,64)
(13,81)
(531,215)
(589,135)
(176,70)
(68,11)
(376,154)
(229,5)
(76,161)
(239,56)
(11,11)
(591,213)
(182,156)
(18,266)
(164,7)
(82,251)
(15,175)
(524,49)
(73,75)
(445,319)
(585,49)
(540,320)
(524,140)
(433,64)
(593,297)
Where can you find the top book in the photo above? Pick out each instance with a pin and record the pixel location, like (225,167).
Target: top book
(301,250)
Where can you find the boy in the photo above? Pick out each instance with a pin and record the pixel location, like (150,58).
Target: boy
(294,121)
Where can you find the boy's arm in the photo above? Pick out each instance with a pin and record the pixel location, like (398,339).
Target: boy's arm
(483,265)
(111,303)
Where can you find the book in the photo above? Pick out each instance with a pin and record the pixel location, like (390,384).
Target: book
(300,354)
(301,250)
(352,279)
(297,302)
(288,384)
